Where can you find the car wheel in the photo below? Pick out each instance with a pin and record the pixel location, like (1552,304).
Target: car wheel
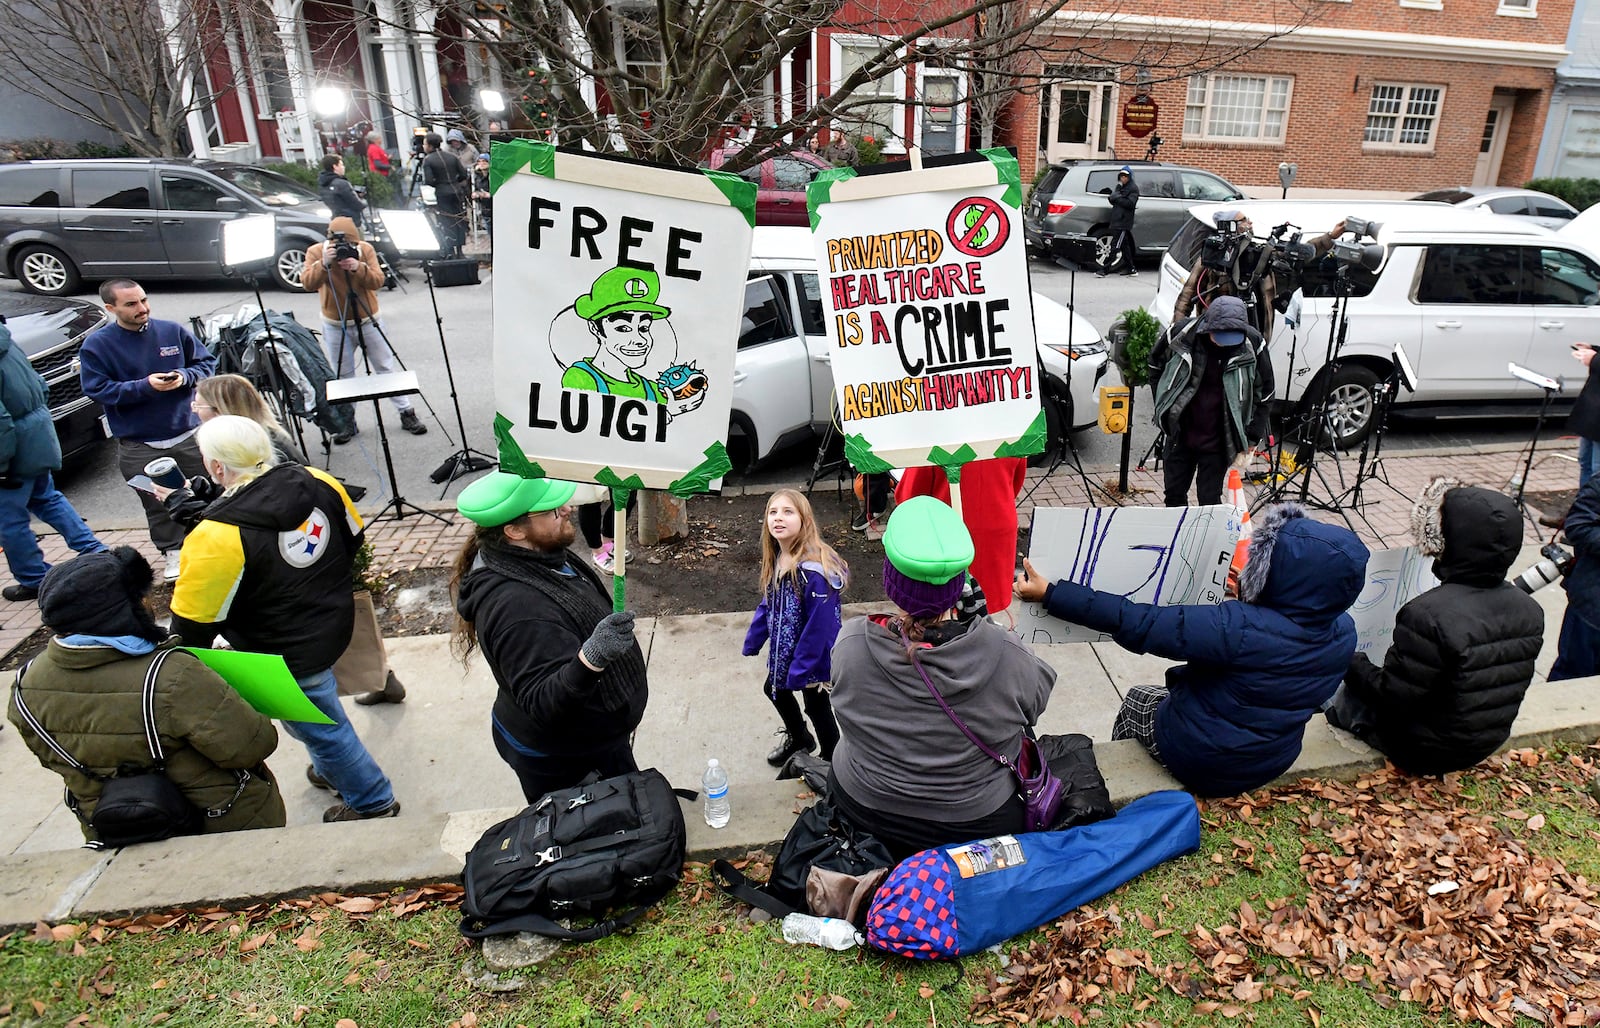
(46,270)
(1350,405)
(1102,245)
(742,446)
(287,268)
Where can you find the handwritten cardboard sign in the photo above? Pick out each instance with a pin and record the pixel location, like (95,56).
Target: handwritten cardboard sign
(618,296)
(930,321)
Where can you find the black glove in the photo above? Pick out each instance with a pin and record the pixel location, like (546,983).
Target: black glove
(612,639)
(11,482)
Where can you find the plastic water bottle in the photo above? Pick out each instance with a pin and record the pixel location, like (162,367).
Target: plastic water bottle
(714,783)
(820,931)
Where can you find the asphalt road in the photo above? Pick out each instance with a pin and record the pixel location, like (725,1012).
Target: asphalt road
(466,313)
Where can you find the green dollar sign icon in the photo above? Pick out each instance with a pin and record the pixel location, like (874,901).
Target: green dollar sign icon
(973,216)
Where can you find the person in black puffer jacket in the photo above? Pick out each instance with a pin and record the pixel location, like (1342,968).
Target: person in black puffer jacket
(1463,652)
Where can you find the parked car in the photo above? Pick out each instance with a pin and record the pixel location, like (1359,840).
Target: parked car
(1540,208)
(780,183)
(62,222)
(1069,213)
(1464,294)
(783,381)
(51,330)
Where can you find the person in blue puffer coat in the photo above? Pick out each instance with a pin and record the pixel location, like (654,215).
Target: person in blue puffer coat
(1231,718)
(29,452)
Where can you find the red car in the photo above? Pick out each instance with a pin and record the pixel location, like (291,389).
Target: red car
(780,183)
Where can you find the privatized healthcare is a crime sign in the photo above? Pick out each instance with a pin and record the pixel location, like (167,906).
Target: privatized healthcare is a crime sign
(618,296)
(930,320)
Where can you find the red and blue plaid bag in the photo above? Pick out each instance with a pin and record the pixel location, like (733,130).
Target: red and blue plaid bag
(949,901)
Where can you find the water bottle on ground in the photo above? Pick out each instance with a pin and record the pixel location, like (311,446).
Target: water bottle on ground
(831,932)
(714,783)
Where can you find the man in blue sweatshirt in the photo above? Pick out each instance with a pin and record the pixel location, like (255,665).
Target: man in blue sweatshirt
(143,371)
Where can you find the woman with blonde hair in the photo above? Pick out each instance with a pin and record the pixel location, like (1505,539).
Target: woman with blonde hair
(268,567)
(234,394)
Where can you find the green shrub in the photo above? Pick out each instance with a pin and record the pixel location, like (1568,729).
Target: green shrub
(46,149)
(1133,335)
(868,150)
(355,169)
(1581,193)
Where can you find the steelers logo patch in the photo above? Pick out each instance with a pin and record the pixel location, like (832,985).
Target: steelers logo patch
(304,546)
(637,288)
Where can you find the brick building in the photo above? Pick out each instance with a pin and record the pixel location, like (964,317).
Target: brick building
(1393,95)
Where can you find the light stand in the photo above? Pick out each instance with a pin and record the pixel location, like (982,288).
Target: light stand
(1372,470)
(1065,412)
(252,240)
(1551,387)
(411,234)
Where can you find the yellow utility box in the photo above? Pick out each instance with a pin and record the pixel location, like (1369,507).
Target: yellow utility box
(1114,409)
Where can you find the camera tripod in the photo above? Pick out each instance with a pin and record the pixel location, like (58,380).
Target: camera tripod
(1369,465)
(1063,404)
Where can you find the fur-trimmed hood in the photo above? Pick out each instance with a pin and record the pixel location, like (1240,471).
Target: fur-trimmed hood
(1305,570)
(1473,534)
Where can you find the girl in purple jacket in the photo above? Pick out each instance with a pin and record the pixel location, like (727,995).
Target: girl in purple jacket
(801,578)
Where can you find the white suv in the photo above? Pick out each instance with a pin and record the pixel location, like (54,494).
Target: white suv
(783,381)
(1463,293)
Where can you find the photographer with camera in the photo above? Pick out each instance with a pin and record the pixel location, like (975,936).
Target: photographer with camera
(337,192)
(1463,652)
(1234,263)
(344,271)
(1212,383)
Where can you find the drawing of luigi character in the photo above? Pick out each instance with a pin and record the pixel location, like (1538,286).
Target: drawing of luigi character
(621,310)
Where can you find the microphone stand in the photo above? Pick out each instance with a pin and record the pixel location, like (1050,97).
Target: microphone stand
(466,460)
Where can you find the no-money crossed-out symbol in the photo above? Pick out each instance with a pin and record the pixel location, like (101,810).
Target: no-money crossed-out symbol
(978,226)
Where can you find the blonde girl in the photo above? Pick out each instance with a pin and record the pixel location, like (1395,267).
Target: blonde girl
(802,578)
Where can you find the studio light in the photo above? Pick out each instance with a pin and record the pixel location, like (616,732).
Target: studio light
(410,232)
(251,239)
(329,101)
(492,101)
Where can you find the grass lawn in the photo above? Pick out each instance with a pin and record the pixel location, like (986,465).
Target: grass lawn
(1311,904)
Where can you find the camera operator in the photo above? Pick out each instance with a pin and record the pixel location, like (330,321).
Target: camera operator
(344,271)
(1234,263)
(336,190)
(1212,384)
(451,185)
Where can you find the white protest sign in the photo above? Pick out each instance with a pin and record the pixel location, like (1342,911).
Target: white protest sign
(1159,555)
(1394,578)
(618,294)
(930,319)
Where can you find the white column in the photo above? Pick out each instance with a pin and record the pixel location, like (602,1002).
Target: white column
(241,76)
(174,31)
(297,61)
(403,97)
(432,88)
(785,89)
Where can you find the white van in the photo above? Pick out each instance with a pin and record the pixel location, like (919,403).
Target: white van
(1462,292)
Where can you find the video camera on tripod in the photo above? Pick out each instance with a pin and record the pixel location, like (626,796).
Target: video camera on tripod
(343,248)
(1234,251)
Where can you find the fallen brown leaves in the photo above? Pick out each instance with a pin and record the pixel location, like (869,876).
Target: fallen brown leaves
(1424,896)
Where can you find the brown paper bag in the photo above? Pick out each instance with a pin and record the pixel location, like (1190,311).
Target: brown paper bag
(364,666)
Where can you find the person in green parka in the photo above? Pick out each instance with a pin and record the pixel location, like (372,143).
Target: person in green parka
(85,690)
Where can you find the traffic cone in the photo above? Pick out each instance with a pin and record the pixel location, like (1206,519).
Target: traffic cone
(1241,549)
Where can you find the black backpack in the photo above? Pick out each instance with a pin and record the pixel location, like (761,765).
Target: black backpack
(577,853)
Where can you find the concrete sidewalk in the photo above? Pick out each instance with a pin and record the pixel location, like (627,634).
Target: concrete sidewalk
(705,702)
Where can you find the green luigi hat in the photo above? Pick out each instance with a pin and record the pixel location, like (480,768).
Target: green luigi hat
(928,550)
(500,498)
(622,289)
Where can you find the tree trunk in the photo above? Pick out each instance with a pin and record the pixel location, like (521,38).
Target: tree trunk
(662,516)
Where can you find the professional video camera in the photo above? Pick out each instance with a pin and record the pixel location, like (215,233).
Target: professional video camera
(1289,258)
(343,247)
(1221,249)
(1354,253)
(1556,562)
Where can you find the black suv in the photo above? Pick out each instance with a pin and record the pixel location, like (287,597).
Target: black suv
(1069,213)
(62,222)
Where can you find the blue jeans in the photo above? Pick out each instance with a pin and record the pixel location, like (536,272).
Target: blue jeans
(1588,460)
(1578,652)
(40,498)
(539,773)
(336,751)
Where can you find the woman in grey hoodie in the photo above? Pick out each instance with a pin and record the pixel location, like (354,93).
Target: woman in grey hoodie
(902,770)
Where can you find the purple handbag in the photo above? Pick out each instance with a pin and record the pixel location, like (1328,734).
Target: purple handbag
(1041,791)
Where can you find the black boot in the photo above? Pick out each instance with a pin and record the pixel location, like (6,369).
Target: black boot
(790,743)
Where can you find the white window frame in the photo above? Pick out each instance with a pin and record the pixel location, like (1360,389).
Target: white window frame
(1208,87)
(1407,91)
(1514,9)
(891,90)
(1423,5)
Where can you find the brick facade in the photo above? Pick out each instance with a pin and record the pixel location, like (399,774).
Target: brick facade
(1328,108)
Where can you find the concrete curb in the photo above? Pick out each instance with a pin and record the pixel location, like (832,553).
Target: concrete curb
(247,867)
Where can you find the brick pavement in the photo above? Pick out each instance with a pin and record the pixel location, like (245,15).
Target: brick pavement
(417,542)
